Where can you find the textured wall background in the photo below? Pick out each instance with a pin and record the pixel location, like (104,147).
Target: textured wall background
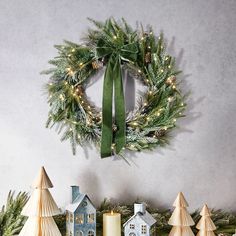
(201,158)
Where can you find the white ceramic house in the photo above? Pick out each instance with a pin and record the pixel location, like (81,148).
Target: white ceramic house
(141,223)
(80,215)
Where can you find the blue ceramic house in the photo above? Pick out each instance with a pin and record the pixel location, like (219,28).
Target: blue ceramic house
(80,215)
(141,223)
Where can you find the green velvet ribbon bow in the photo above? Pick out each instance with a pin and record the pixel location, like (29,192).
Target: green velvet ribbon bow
(116,53)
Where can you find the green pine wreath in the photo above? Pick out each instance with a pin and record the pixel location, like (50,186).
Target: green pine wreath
(114,46)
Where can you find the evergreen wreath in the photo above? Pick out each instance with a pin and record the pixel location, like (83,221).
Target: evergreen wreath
(115,46)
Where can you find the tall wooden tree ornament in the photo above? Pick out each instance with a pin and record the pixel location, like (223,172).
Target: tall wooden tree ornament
(180,218)
(205,224)
(40,209)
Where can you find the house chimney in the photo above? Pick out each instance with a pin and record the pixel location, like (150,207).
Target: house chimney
(139,207)
(75,192)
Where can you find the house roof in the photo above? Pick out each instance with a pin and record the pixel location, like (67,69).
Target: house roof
(147,218)
(76,203)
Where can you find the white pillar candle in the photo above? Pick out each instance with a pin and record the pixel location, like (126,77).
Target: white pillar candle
(111,224)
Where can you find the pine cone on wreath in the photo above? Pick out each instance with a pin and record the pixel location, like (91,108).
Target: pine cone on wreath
(148,57)
(160,133)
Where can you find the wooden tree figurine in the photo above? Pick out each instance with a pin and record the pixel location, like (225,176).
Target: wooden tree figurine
(40,208)
(180,218)
(205,224)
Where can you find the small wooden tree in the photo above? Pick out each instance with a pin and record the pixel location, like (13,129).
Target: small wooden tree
(205,224)
(40,208)
(180,218)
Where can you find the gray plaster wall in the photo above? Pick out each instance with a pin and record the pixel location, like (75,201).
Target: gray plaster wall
(201,158)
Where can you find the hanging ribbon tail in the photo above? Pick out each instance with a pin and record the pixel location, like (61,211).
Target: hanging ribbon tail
(107,134)
(119,108)
(113,74)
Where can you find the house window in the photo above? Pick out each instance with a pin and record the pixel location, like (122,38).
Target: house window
(132,226)
(71,218)
(132,234)
(143,229)
(90,233)
(79,218)
(79,233)
(90,218)
(71,234)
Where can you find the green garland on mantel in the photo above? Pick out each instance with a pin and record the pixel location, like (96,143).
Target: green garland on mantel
(11,222)
(224,221)
(114,46)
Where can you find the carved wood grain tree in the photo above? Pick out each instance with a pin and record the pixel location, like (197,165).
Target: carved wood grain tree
(180,218)
(205,224)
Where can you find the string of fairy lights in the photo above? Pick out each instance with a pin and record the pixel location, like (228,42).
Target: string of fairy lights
(77,72)
(77,93)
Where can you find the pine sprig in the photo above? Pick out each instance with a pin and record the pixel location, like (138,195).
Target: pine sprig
(11,221)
